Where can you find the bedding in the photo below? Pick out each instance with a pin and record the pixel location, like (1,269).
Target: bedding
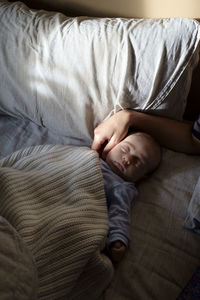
(192,220)
(60,77)
(58,207)
(163,254)
(18,273)
(56,70)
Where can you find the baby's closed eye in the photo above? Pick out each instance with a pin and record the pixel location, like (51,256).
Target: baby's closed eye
(125,149)
(135,159)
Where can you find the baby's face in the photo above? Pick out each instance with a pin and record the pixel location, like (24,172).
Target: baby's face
(133,157)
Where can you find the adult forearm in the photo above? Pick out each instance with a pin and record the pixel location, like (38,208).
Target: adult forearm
(169,133)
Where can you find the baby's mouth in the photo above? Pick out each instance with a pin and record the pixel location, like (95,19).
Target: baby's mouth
(118,165)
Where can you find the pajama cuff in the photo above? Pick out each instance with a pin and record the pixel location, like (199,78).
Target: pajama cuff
(117,237)
(196,128)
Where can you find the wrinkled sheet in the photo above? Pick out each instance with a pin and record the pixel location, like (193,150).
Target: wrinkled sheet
(69,74)
(17,133)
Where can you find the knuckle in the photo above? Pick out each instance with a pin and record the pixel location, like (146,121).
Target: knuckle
(114,141)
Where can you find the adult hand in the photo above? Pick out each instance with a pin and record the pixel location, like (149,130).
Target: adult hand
(112,131)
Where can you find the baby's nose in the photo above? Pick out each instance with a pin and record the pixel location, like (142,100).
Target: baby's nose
(127,160)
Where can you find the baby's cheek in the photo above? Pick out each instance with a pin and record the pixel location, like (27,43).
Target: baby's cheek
(108,158)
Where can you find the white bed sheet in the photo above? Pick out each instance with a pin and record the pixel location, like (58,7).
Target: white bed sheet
(68,74)
(17,133)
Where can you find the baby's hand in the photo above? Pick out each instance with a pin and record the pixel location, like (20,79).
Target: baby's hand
(117,251)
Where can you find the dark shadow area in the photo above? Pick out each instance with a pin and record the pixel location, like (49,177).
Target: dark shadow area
(71,9)
(193,103)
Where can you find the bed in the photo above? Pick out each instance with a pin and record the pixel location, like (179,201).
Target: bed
(60,77)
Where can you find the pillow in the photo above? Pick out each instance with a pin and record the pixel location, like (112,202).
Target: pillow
(192,220)
(18,274)
(69,74)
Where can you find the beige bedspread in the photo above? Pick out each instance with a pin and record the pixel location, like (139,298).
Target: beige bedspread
(54,197)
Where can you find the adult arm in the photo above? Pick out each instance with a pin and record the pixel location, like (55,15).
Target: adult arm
(169,133)
(173,134)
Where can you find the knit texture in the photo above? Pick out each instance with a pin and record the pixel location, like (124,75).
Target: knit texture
(54,197)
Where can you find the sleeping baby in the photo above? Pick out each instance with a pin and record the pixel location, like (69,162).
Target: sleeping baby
(129,161)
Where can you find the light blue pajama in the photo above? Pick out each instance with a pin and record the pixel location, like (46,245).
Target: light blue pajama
(196,128)
(120,195)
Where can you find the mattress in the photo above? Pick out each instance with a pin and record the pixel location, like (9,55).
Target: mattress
(53,94)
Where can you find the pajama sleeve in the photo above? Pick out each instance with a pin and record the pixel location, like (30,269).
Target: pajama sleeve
(119,210)
(196,128)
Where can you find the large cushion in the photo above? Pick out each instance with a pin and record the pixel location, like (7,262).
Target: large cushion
(69,74)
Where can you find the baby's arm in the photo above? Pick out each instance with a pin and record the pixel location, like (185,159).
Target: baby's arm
(119,220)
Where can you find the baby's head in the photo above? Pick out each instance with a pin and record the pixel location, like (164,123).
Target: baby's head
(135,156)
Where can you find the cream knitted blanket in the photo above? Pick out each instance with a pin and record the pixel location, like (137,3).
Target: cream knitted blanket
(54,197)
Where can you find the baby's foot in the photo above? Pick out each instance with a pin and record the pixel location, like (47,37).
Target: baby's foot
(117,251)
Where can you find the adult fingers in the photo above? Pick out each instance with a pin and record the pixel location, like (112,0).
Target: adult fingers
(112,143)
(98,142)
(115,139)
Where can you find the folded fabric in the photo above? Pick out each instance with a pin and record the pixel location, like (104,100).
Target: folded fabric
(192,220)
(18,273)
(192,290)
(54,198)
(69,74)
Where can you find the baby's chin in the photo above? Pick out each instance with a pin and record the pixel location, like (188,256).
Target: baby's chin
(131,178)
(119,173)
